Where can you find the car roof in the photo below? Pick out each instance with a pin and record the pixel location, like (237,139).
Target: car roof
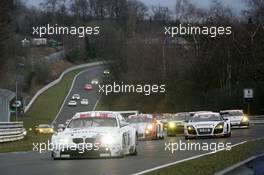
(232,110)
(207,113)
(103,114)
(141,116)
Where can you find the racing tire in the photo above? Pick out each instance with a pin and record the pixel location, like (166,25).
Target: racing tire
(54,158)
(162,136)
(135,152)
(189,138)
(227,135)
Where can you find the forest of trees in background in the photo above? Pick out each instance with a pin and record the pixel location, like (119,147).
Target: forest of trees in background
(204,73)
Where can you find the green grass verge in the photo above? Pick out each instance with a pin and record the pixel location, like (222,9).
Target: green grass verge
(213,163)
(43,111)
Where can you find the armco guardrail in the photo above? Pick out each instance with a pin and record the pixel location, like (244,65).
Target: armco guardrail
(257,119)
(58,80)
(11,131)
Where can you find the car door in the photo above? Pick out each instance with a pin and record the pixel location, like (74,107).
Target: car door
(125,129)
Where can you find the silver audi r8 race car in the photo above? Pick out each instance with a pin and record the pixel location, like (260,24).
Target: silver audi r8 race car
(95,134)
(236,117)
(147,126)
(208,124)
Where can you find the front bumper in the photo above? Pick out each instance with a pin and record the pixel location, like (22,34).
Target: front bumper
(102,152)
(211,133)
(239,123)
(175,131)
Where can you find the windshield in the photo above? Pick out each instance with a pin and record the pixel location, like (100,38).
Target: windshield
(139,120)
(180,117)
(92,122)
(206,117)
(232,113)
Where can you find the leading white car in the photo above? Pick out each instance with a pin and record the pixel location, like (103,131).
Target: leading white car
(208,124)
(236,117)
(95,134)
(76,97)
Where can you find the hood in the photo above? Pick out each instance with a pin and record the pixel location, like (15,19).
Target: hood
(206,124)
(91,132)
(177,122)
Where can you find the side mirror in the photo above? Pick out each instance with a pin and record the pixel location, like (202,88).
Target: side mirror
(61,127)
(123,124)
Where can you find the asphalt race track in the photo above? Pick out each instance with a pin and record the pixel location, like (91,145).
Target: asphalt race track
(150,153)
(85,77)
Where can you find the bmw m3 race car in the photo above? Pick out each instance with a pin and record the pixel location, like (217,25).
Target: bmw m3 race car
(147,126)
(95,134)
(207,125)
(236,117)
(176,123)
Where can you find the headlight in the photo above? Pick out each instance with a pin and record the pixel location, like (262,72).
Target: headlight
(51,130)
(190,128)
(40,130)
(172,125)
(64,141)
(245,119)
(219,126)
(149,127)
(107,139)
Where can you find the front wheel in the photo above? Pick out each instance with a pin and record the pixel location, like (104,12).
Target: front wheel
(227,135)
(134,153)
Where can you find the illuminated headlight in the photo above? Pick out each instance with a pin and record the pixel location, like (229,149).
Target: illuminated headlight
(107,140)
(190,128)
(172,125)
(64,141)
(40,130)
(149,127)
(220,126)
(245,119)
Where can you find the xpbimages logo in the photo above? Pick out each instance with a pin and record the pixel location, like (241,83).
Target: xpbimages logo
(193,146)
(79,31)
(146,89)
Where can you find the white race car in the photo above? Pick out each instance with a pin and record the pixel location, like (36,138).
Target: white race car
(147,126)
(236,117)
(95,81)
(76,97)
(106,71)
(95,134)
(207,124)
(72,103)
(84,102)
